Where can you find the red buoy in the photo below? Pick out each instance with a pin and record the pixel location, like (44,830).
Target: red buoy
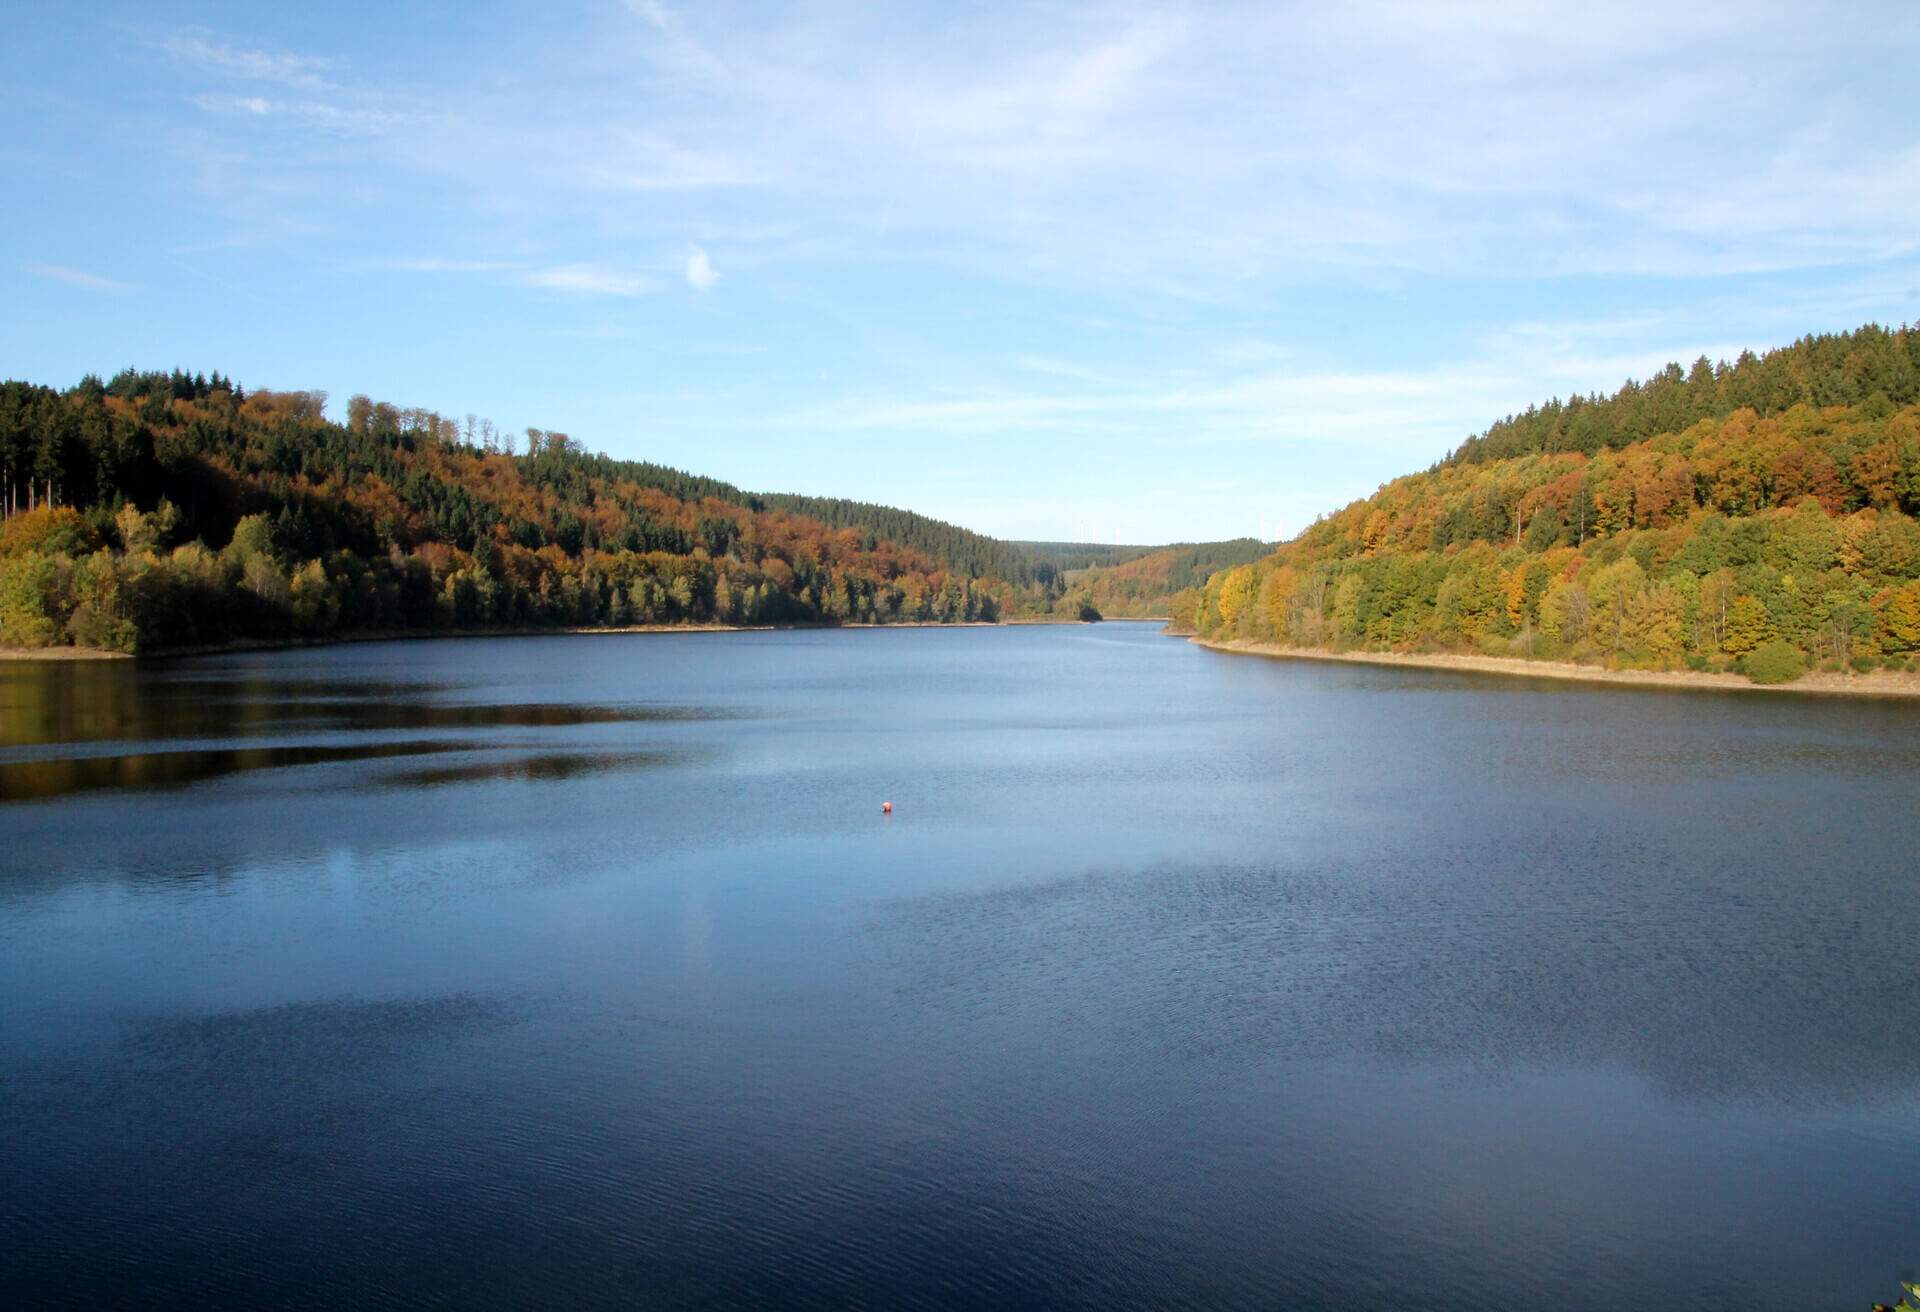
(886,808)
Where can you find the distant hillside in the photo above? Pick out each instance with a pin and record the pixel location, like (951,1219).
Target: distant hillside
(1069,556)
(1145,584)
(1768,526)
(160,510)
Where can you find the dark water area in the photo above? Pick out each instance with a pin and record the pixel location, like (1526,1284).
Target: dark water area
(586,972)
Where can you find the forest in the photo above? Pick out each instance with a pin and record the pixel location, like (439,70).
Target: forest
(1755,516)
(158,511)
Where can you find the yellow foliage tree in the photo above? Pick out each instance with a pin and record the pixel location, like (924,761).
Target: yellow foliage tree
(1236,596)
(1747,626)
(1900,618)
(1276,598)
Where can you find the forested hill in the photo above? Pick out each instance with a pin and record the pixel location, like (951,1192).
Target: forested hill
(1768,537)
(161,510)
(1145,584)
(1833,369)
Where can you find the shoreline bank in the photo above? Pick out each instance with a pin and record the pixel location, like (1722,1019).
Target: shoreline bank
(431,635)
(1879,683)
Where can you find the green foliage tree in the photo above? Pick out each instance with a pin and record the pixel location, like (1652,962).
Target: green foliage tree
(1775,661)
(33,601)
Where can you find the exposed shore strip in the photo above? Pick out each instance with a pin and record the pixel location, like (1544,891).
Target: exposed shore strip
(1879,683)
(415,635)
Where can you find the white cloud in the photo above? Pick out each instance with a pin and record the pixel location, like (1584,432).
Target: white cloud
(590,279)
(319,114)
(203,50)
(77,278)
(701,275)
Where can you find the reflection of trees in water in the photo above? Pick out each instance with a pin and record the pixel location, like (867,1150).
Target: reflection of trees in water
(1762,981)
(29,780)
(62,723)
(546,767)
(34,780)
(76,702)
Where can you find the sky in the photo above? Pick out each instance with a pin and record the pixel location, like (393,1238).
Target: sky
(1116,272)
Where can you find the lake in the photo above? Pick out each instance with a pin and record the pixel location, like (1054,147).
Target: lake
(586,971)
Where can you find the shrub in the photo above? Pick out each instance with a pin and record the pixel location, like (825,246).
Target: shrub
(1774,661)
(1863,662)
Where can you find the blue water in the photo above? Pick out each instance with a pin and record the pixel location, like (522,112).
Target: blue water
(586,972)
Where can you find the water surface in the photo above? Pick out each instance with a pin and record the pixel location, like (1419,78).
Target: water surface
(586,971)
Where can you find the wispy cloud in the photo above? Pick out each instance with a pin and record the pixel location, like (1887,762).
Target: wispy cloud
(1054,367)
(311,113)
(93,282)
(1412,412)
(1194,151)
(643,161)
(593,280)
(676,49)
(209,52)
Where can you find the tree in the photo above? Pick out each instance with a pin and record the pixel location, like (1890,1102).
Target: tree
(1747,626)
(1564,612)
(1613,591)
(1656,624)
(33,601)
(1899,614)
(1717,593)
(1235,597)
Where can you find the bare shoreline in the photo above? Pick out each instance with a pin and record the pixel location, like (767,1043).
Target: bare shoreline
(1879,683)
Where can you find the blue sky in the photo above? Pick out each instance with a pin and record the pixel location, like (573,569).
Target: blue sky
(1129,272)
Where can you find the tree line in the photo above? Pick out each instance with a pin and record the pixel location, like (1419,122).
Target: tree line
(1823,370)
